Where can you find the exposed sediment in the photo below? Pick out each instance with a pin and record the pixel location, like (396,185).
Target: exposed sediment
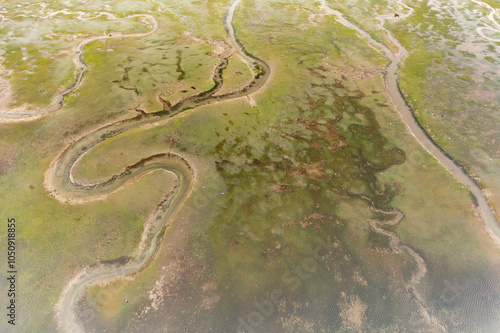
(406,114)
(20,114)
(61,184)
(59,180)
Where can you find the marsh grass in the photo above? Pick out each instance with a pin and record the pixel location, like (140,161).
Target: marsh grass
(304,164)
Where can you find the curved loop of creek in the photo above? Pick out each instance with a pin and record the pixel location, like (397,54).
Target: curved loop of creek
(406,114)
(59,180)
(61,184)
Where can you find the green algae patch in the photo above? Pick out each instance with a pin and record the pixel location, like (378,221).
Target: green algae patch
(288,183)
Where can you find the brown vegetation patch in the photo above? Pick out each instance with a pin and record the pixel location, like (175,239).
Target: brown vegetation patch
(336,139)
(314,187)
(284,188)
(330,133)
(314,171)
(316,144)
(311,125)
(315,219)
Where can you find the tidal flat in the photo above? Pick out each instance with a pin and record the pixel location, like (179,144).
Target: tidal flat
(312,208)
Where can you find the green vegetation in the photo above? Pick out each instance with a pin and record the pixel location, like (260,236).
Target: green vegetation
(490,59)
(293,174)
(299,169)
(466,105)
(40,58)
(235,75)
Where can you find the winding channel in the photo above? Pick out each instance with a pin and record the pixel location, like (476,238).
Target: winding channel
(20,114)
(491,17)
(406,114)
(60,182)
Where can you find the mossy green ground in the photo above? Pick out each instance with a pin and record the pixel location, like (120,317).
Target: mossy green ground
(449,77)
(256,220)
(235,75)
(275,181)
(37,54)
(455,95)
